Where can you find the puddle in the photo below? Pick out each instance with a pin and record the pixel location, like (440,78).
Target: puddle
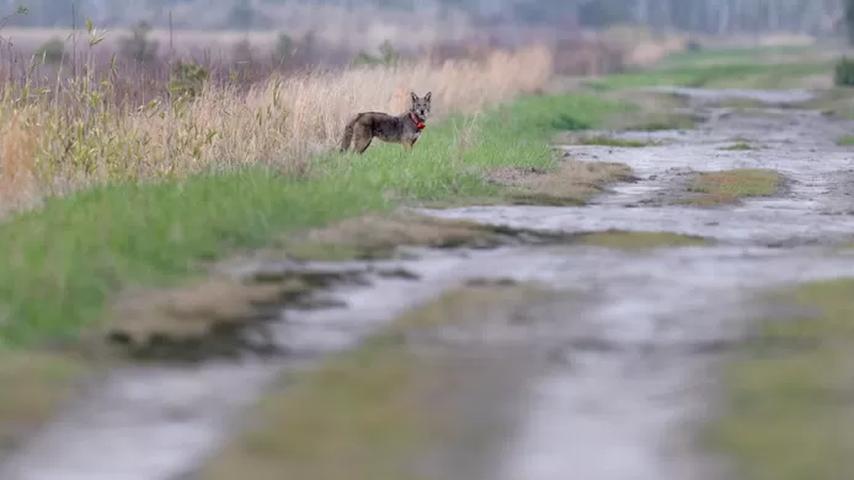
(628,376)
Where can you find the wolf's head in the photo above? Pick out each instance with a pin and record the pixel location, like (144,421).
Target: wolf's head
(421,106)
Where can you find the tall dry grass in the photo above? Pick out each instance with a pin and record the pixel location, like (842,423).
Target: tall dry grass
(57,140)
(18,149)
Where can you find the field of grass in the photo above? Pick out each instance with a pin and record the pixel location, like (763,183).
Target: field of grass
(736,68)
(789,413)
(107,127)
(61,264)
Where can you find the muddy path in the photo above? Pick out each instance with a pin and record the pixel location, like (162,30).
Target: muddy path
(620,372)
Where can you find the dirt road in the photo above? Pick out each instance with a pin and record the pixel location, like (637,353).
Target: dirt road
(613,376)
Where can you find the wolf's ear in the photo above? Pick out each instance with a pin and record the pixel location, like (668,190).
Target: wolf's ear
(414,97)
(429,96)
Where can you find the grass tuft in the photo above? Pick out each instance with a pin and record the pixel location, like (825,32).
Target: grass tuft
(729,186)
(634,241)
(571,183)
(738,147)
(374,236)
(605,141)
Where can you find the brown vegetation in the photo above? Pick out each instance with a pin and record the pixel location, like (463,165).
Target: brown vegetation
(85,131)
(571,183)
(34,386)
(730,186)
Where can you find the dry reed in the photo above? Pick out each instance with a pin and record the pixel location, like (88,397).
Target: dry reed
(57,140)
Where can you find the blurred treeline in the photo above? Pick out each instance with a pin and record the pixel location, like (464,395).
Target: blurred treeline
(709,16)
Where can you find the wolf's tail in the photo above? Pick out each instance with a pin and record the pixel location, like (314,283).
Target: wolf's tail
(348,134)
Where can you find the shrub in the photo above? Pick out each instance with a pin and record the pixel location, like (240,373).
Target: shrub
(285,50)
(187,80)
(693,45)
(138,46)
(241,52)
(388,56)
(849,19)
(845,73)
(52,52)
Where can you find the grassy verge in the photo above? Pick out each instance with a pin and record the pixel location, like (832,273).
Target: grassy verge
(401,406)
(729,186)
(61,264)
(789,414)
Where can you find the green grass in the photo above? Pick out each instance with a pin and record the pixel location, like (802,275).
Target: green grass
(61,264)
(718,76)
(727,68)
(789,414)
(846,141)
(733,56)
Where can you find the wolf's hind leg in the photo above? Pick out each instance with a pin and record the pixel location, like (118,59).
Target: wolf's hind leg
(362,138)
(362,144)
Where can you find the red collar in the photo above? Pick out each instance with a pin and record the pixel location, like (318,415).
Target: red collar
(418,121)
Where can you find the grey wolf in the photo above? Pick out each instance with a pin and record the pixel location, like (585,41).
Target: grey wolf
(404,129)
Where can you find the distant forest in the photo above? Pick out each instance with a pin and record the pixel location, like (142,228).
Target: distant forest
(710,16)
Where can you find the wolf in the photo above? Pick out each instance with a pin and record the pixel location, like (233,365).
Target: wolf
(404,129)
